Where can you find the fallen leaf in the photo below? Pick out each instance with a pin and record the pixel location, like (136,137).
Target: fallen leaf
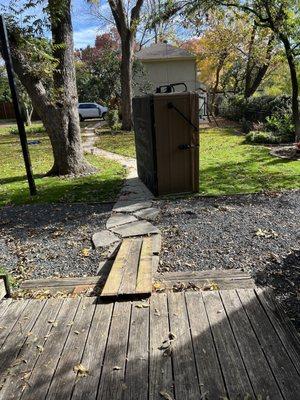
(165,395)
(80,370)
(40,348)
(116,368)
(85,252)
(142,305)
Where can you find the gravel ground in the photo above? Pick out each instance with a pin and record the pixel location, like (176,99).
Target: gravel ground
(38,241)
(259,233)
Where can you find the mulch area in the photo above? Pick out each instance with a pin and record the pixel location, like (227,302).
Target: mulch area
(38,241)
(259,233)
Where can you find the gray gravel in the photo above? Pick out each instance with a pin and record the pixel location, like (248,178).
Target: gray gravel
(258,233)
(39,241)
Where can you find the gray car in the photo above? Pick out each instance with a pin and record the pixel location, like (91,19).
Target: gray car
(91,110)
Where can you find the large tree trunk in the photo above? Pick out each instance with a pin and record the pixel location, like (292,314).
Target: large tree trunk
(126,82)
(295,85)
(58,112)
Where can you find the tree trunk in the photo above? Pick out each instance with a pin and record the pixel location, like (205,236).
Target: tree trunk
(295,85)
(126,82)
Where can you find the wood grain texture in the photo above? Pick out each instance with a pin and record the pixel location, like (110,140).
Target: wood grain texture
(234,372)
(160,367)
(11,318)
(144,277)
(44,369)
(263,382)
(130,272)
(185,372)
(210,376)
(283,369)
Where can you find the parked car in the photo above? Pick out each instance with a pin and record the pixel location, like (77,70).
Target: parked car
(91,110)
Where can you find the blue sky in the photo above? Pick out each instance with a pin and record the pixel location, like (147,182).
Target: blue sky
(85,25)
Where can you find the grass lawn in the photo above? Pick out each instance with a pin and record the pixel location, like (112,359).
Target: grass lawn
(227,164)
(120,143)
(102,186)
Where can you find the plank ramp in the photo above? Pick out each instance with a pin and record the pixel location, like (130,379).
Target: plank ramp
(131,273)
(231,344)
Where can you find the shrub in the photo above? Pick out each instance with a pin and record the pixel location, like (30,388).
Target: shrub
(263,137)
(112,118)
(254,109)
(29,130)
(282,124)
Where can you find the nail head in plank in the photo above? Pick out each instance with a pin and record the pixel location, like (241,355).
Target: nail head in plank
(233,369)
(210,376)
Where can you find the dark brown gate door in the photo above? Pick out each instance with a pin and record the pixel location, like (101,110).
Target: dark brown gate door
(177,143)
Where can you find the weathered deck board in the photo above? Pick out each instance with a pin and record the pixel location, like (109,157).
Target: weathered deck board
(10,319)
(128,283)
(144,277)
(226,344)
(112,378)
(235,374)
(261,377)
(29,353)
(160,368)
(185,373)
(209,371)
(44,369)
(4,304)
(279,361)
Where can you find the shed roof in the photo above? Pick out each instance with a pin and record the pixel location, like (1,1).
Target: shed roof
(163,51)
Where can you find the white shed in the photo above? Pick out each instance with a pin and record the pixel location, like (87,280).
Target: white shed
(166,64)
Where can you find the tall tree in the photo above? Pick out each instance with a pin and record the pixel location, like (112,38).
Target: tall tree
(57,107)
(126,23)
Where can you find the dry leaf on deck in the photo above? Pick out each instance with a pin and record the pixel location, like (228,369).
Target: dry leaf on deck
(165,395)
(80,370)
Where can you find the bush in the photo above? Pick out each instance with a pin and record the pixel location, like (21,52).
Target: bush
(29,129)
(282,125)
(254,109)
(112,118)
(264,137)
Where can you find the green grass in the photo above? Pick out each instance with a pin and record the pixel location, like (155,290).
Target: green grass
(227,164)
(120,143)
(102,186)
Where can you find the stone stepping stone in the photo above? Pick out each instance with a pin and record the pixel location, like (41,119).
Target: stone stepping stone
(150,214)
(138,228)
(104,238)
(119,219)
(129,206)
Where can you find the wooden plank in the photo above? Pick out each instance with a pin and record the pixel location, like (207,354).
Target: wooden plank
(93,355)
(2,288)
(11,317)
(4,304)
(114,279)
(261,377)
(204,275)
(144,278)
(284,328)
(210,377)
(40,378)
(236,379)
(136,374)
(60,282)
(64,376)
(185,374)
(128,283)
(283,369)
(27,358)
(112,378)
(18,334)
(160,367)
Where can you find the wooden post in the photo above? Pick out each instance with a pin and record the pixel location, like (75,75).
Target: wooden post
(14,94)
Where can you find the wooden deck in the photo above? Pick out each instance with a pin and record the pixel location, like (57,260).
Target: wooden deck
(229,344)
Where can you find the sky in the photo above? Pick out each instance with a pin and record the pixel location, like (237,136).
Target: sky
(85,25)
